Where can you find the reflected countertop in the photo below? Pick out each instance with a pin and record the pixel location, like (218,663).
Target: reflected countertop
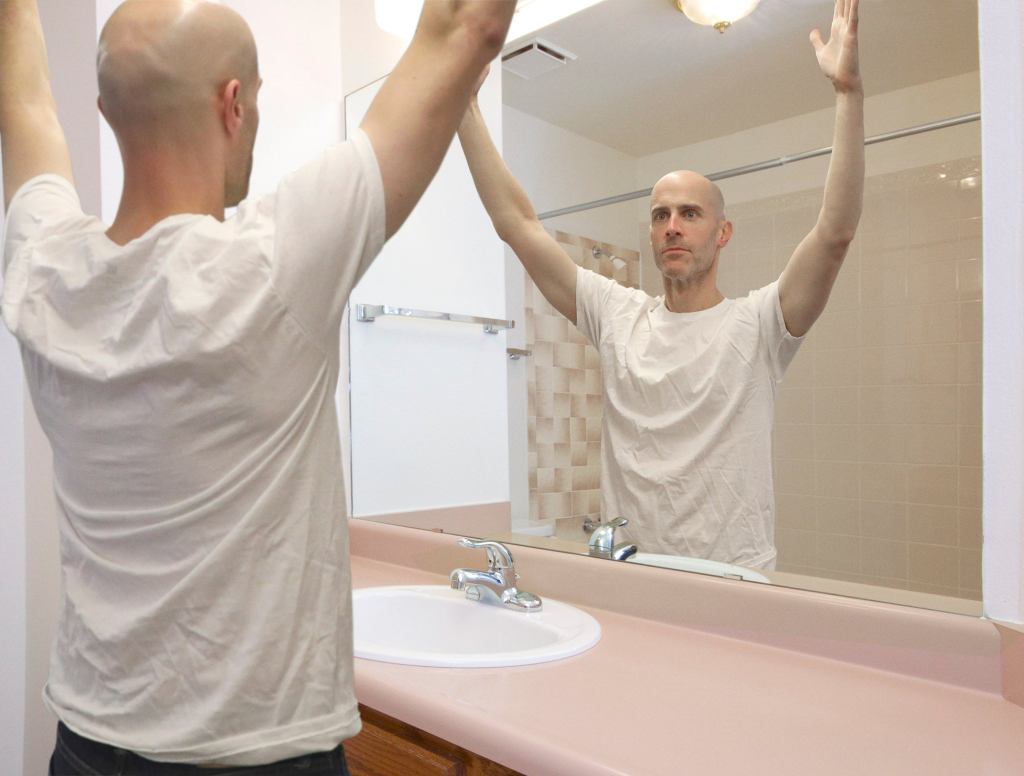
(571,538)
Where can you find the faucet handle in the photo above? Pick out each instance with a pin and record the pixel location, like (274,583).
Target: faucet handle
(498,555)
(589,526)
(602,540)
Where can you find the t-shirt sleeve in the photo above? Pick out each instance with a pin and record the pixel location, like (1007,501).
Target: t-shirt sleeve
(594,294)
(780,346)
(42,206)
(329,226)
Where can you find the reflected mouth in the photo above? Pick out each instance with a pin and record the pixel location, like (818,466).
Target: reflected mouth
(674,249)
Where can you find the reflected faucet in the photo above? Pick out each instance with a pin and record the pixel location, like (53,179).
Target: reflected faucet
(498,583)
(602,541)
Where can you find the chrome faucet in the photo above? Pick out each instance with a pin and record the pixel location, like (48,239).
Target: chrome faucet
(602,541)
(498,583)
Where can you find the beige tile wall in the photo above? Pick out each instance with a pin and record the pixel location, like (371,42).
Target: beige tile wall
(565,394)
(878,425)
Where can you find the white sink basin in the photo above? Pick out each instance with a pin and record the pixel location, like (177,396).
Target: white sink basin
(700,565)
(433,625)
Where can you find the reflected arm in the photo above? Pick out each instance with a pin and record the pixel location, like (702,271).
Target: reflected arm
(807,280)
(413,119)
(514,218)
(32,138)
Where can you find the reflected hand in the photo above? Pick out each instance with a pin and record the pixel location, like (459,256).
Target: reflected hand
(839,59)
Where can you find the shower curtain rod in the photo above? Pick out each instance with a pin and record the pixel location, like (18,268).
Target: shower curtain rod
(767,165)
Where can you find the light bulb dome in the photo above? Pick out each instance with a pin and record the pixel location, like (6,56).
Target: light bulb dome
(716,13)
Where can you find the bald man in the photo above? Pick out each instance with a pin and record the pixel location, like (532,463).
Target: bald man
(183,366)
(690,377)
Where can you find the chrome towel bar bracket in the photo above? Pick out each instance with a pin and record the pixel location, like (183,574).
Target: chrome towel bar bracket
(367,313)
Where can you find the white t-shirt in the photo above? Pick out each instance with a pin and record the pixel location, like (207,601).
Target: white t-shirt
(686,442)
(186,384)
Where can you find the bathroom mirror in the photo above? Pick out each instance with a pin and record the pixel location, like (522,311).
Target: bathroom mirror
(877,439)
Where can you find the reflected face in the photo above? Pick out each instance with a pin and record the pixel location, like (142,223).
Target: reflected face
(688,226)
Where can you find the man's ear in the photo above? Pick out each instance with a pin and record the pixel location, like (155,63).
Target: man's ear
(231,107)
(725,235)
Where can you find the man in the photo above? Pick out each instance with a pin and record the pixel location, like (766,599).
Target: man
(183,367)
(690,378)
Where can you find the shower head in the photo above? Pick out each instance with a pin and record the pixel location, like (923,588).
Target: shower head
(617,261)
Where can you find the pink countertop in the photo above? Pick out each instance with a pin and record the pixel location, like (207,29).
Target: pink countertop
(656,697)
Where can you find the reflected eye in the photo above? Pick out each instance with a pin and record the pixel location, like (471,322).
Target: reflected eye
(659,216)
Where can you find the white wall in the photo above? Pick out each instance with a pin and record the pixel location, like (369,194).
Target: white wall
(368,53)
(71,46)
(12,555)
(559,168)
(1002,74)
(429,399)
(302,99)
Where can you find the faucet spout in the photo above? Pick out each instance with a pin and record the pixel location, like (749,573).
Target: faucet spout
(623,551)
(498,583)
(460,579)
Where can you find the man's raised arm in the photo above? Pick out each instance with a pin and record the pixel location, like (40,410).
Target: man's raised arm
(807,280)
(413,119)
(514,218)
(31,135)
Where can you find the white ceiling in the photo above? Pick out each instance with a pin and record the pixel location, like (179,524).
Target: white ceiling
(647,79)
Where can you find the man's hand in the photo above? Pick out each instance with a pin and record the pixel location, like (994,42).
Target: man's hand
(807,280)
(839,59)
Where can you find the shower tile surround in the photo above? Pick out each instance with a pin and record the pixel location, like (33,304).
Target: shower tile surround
(877,446)
(565,393)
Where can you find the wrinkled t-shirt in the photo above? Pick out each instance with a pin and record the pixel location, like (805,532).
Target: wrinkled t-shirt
(186,384)
(689,398)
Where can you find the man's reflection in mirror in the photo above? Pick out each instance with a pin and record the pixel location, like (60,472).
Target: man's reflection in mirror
(690,377)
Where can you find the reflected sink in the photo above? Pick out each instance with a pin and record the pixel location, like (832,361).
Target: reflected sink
(699,565)
(433,625)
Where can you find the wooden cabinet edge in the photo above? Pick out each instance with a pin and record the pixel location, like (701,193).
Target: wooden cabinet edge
(389,747)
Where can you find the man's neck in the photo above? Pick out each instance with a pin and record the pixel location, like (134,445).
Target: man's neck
(691,297)
(157,189)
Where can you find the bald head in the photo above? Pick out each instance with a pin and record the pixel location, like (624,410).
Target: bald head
(691,185)
(162,63)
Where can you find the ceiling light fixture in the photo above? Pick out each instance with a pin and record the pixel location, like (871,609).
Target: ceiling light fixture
(720,14)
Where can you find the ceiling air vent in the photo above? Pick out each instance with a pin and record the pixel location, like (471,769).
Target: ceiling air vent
(536,58)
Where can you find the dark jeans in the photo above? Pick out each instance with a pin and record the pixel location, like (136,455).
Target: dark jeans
(77,756)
